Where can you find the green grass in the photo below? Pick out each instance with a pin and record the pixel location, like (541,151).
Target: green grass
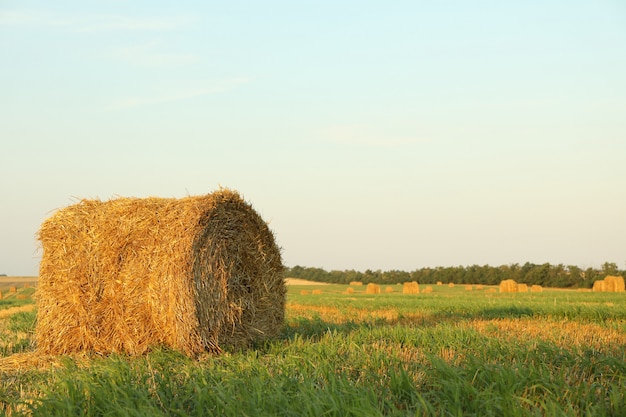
(448,353)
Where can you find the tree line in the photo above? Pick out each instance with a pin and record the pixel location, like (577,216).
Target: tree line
(546,275)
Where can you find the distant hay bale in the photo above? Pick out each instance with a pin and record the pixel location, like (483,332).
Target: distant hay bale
(427,290)
(356,283)
(372,289)
(21,296)
(12,290)
(129,274)
(508,285)
(536,288)
(479,287)
(439,283)
(451,285)
(614,283)
(609,284)
(410,288)
(389,289)
(522,287)
(305,292)
(469,288)
(349,290)
(317,292)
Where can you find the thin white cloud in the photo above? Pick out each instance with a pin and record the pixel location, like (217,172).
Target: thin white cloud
(92,22)
(367,135)
(183,94)
(148,55)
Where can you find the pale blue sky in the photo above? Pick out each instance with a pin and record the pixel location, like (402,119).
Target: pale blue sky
(381,135)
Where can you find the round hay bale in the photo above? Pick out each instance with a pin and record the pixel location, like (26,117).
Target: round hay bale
(428,290)
(410,288)
(349,290)
(129,274)
(508,285)
(522,287)
(372,289)
(388,289)
(536,288)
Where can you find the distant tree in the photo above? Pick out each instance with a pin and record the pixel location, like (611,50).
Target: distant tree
(610,268)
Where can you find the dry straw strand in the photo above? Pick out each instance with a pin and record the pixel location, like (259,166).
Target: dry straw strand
(128,274)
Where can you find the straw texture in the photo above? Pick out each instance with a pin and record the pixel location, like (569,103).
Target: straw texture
(128,274)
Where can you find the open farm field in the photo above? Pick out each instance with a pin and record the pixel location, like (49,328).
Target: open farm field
(448,352)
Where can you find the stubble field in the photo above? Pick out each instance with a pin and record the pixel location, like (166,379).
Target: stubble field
(450,352)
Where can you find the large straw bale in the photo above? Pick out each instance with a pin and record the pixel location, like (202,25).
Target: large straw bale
(508,285)
(536,288)
(128,274)
(522,287)
(410,288)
